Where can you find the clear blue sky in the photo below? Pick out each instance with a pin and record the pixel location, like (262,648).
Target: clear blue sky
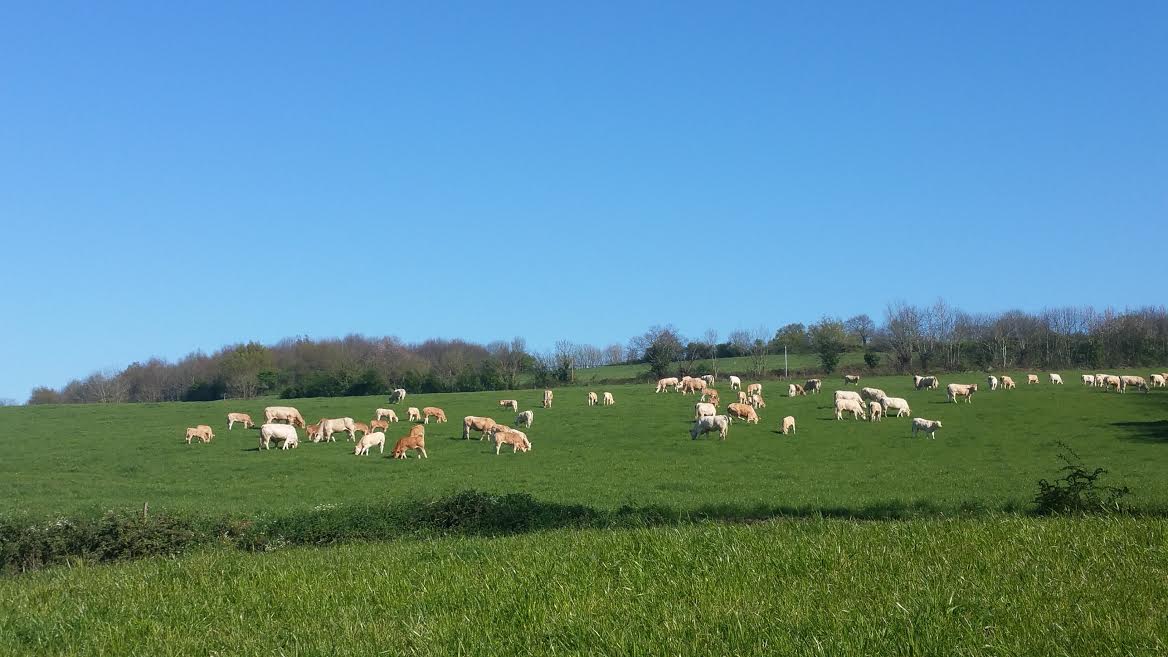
(182,177)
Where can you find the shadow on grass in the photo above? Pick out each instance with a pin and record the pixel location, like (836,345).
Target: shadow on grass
(1154,431)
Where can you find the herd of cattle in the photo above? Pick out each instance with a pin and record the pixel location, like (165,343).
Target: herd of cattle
(872,404)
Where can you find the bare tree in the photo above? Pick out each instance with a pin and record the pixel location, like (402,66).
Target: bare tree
(903,330)
(711,340)
(614,354)
(759,350)
(862,327)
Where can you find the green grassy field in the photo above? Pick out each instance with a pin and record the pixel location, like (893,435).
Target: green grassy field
(991,453)
(1006,586)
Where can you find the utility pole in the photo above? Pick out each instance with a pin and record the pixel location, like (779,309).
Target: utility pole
(786,375)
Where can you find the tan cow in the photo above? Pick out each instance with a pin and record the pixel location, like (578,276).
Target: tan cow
(743,397)
(510,403)
(703,409)
(283,413)
(378,425)
(438,414)
(743,411)
(711,395)
(753,388)
(409,442)
(757,401)
(851,378)
(413,414)
(663,385)
(875,411)
(1128,381)
(516,439)
(789,424)
(386,414)
(1031,378)
(548,396)
(202,432)
(312,431)
(1157,381)
(232,418)
(330,426)
(1008,383)
(849,406)
(362,427)
(692,385)
(476,423)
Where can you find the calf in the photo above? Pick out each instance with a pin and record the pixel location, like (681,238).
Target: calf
(409,442)
(928,426)
(702,426)
(788,424)
(232,418)
(375,439)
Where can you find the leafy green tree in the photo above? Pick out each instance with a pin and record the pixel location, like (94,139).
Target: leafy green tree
(829,340)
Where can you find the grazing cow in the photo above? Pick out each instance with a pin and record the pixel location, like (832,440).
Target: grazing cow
(1056,379)
(711,395)
(854,379)
(1099,380)
(753,388)
(525,419)
(202,432)
(516,439)
(708,378)
(548,396)
(592,398)
(692,385)
(428,412)
(795,390)
(1110,381)
(849,406)
(412,441)
(232,418)
(848,394)
(926,382)
(607,399)
(870,394)
(757,401)
(1089,380)
(735,382)
(285,413)
(378,425)
(955,390)
(896,404)
(813,386)
(1007,383)
(284,434)
(702,409)
(992,382)
(476,423)
(1157,381)
(329,427)
(875,411)
(376,439)
(413,414)
(789,424)
(1128,381)
(399,394)
(362,427)
(663,385)
(386,414)
(744,411)
(418,430)
(928,426)
(1031,378)
(743,397)
(311,432)
(704,425)
(510,403)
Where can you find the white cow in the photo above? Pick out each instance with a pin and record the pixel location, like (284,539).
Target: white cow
(704,425)
(955,390)
(525,419)
(849,406)
(1089,380)
(875,412)
(735,382)
(592,398)
(386,414)
(375,439)
(1056,379)
(398,395)
(329,427)
(928,426)
(871,394)
(285,434)
(1157,381)
(789,424)
(848,394)
(897,404)
(702,409)
(607,399)
(992,381)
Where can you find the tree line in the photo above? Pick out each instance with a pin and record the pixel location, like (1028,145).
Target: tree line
(926,338)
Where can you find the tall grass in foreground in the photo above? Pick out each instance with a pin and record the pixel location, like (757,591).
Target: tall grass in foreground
(997,586)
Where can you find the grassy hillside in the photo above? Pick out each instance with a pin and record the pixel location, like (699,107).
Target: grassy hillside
(70,459)
(1004,586)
